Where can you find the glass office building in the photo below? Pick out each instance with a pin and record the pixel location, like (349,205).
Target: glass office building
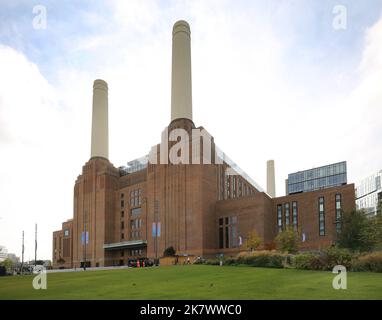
(368,193)
(332,175)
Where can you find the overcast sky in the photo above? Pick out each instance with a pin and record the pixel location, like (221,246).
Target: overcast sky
(271,80)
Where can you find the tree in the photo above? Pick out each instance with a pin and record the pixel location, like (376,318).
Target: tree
(358,232)
(169,252)
(376,231)
(287,240)
(7,263)
(253,241)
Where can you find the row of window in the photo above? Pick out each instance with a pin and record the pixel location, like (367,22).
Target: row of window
(316,173)
(135,234)
(233,186)
(135,198)
(133,212)
(133,252)
(289,217)
(136,224)
(284,220)
(316,184)
(228,236)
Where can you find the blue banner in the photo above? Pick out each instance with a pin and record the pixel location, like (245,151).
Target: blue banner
(154,230)
(158,229)
(83,237)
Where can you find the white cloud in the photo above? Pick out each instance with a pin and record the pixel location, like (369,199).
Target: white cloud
(37,157)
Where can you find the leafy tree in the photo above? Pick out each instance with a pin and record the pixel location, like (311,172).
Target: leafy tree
(253,241)
(376,231)
(7,263)
(169,252)
(358,232)
(287,240)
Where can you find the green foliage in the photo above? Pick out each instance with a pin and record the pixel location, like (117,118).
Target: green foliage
(334,256)
(287,241)
(266,259)
(169,252)
(377,230)
(358,232)
(253,241)
(304,261)
(212,262)
(7,263)
(369,262)
(230,261)
(324,260)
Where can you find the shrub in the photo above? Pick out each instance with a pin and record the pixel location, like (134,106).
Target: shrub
(369,262)
(200,261)
(303,261)
(230,261)
(212,262)
(169,252)
(334,256)
(266,259)
(307,261)
(324,260)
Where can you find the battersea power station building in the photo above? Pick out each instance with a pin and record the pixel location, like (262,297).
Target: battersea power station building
(185,193)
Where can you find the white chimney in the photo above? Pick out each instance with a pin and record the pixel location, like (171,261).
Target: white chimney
(100,132)
(271,184)
(181,88)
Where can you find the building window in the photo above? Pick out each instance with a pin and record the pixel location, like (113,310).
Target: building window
(122,225)
(234,187)
(122,213)
(232,232)
(222,181)
(228,235)
(287,214)
(227,187)
(122,195)
(221,234)
(136,197)
(122,203)
(240,187)
(280,217)
(122,253)
(66,233)
(135,211)
(321,215)
(135,224)
(122,236)
(338,213)
(294,215)
(136,252)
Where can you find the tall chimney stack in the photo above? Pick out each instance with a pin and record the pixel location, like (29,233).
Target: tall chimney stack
(181,88)
(271,184)
(100,131)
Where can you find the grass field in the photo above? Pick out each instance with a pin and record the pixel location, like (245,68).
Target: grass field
(194,282)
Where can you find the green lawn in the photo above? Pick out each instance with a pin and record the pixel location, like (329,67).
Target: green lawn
(194,282)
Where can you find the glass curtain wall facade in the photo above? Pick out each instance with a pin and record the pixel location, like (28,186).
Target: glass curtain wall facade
(368,193)
(332,175)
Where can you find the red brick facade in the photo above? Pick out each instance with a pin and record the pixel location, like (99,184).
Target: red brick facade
(201,212)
